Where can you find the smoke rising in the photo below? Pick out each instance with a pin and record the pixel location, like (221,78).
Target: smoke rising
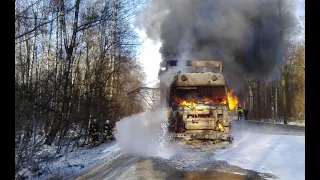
(248,36)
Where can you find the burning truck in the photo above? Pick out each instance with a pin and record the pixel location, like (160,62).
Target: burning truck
(198,101)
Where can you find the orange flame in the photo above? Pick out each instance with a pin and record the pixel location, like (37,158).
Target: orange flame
(220,127)
(232,99)
(190,104)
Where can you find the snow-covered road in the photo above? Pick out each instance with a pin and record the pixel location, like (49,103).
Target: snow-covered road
(279,150)
(259,152)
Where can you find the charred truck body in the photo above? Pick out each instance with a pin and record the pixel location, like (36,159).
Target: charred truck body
(197,101)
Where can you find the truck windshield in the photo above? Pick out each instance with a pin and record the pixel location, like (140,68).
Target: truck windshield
(216,94)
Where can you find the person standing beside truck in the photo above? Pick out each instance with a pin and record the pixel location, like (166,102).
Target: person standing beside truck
(94,132)
(246,111)
(240,111)
(108,131)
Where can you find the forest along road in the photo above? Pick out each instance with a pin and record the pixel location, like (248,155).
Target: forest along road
(202,163)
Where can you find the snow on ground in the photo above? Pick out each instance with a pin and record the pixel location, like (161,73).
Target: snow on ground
(297,123)
(281,155)
(76,161)
(294,123)
(280,121)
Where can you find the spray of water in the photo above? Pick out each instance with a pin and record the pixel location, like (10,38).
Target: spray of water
(145,134)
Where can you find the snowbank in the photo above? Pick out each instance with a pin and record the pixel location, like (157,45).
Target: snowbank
(281,155)
(76,161)
(280,121)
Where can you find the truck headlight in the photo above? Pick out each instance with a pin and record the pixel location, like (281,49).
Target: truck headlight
(184,78)
(214,78)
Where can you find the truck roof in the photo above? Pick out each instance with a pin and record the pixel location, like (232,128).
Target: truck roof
(200,79)
(197,63)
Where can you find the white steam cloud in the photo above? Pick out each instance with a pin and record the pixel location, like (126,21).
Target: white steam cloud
(145,134)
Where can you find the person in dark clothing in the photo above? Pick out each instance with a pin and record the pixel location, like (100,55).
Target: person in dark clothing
(240,111)
(175,117)
(246,111)
(178,124)
(94,131)
(107,132)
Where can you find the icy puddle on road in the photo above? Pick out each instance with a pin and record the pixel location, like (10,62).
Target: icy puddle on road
(127,167)
(214,170)
(188,164)
(212,175)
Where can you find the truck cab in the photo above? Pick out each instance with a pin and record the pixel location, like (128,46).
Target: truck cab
(197,101)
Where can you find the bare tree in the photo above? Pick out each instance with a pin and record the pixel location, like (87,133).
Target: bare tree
(62,72)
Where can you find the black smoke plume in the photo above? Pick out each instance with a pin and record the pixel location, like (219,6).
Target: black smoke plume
(248,36)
